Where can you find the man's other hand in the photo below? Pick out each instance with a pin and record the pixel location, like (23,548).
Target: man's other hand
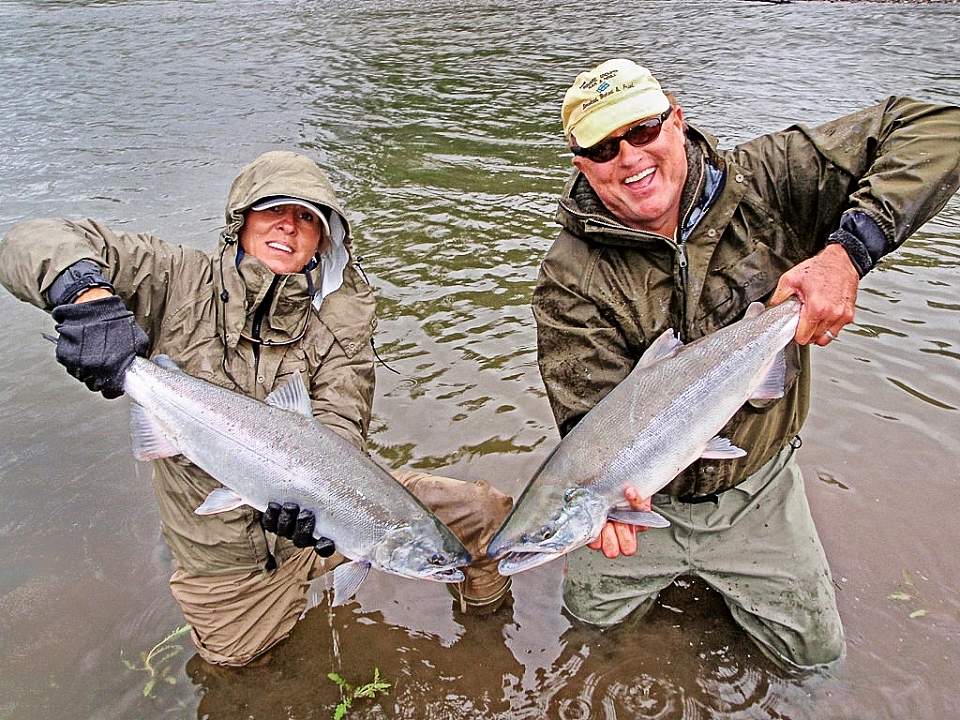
(827,286)
(617,538)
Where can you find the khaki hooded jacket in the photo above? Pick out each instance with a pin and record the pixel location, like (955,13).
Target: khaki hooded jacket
(206,311)
(606,291)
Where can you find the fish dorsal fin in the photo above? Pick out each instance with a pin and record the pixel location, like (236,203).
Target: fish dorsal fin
(772,385)
(292,396)
(166,362)
(347,578)
(664,346)
(646,518)
(220,500)
(754,309)
(148,438)
(719,448)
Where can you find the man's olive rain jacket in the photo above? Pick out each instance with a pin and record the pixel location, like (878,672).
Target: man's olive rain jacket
(749,214)
(199,309)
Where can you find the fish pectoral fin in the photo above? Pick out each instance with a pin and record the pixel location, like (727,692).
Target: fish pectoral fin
(220,500)
(148,438)
(771,387)
(664,346)
(315,593)
(720,448)
(292,396)
(347,578)
(638,517)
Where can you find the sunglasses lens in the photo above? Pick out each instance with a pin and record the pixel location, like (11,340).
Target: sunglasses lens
(643,134)
(604,151)
(638,136)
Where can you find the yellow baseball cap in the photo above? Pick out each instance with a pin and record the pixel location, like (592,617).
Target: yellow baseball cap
(609,96)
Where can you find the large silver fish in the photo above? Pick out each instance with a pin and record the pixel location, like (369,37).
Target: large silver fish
(661,418)
(276,451)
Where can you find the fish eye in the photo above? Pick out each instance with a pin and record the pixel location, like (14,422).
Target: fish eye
(437,559)
(547,532)
(569,494)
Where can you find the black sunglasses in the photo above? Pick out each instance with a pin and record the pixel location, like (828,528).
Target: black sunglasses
(639,135)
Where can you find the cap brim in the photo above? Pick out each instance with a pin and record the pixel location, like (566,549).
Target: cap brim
(312,207)
(597,125)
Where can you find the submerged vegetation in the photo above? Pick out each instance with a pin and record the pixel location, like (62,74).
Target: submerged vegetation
(349,693)
(156,661)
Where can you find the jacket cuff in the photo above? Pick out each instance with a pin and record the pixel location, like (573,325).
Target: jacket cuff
(862,238)
(81,276)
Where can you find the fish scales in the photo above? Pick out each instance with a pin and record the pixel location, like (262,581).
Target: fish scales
(208,420)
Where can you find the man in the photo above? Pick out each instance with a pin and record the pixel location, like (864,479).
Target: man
(660,229)
(280,295)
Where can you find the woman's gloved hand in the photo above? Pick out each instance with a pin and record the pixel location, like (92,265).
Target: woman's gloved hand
(98,341)
(297,525)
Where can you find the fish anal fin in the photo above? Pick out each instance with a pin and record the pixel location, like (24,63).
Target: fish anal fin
(346,580)
(148,438)
(220,500)
(663,347)
(772,385)
(292,396)
(646,518)
(719,448)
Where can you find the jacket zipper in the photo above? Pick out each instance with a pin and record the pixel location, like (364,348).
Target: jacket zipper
(271,562)
(258,316)
(682,261)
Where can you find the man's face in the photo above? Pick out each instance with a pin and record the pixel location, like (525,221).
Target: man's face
(642,185)
(284,237)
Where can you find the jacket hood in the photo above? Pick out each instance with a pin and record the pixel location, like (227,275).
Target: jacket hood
(279,173)
(284,173)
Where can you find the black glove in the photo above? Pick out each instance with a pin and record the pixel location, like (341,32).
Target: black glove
(291,522)
(98,341)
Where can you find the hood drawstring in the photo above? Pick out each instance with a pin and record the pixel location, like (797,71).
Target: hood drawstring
(357,261)
(224,297)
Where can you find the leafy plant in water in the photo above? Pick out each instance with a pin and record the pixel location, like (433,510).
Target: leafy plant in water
(348,693)
(156,662)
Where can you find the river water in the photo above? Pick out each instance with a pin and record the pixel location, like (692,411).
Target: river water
(439,125)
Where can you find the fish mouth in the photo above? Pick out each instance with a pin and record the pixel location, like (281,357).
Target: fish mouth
(447,575)
(517,561)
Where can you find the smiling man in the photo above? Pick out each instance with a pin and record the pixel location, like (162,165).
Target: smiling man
(661,229)
(280,295)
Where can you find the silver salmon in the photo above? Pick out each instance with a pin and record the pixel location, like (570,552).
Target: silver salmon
(276,451)
(661,418)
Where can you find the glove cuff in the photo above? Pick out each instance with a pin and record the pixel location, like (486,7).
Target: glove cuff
(79,277)
(108,308)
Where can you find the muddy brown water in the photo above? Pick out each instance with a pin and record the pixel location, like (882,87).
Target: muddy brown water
(439,125)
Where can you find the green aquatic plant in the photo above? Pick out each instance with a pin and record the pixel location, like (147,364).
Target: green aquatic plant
(156,662)
(349,693)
